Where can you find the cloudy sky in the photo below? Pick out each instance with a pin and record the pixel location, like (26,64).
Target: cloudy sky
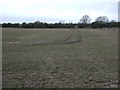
(56,10)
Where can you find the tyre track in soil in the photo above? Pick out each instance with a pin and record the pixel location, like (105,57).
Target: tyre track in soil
(65,41)
(52,70)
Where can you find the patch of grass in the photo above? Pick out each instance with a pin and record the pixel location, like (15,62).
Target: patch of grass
(93,62)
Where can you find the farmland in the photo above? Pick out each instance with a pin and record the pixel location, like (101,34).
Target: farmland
(55,58)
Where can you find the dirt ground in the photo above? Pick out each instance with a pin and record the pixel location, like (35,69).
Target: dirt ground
(91,61)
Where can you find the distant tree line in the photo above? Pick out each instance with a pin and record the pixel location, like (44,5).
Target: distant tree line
(100,22)
(39,24)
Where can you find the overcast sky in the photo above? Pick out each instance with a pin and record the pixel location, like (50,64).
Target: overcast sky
(56,10)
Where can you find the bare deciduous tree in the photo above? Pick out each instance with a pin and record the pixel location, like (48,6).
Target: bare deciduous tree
(102,19)
(85,19)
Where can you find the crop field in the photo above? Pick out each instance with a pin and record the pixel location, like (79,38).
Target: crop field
(59,58)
